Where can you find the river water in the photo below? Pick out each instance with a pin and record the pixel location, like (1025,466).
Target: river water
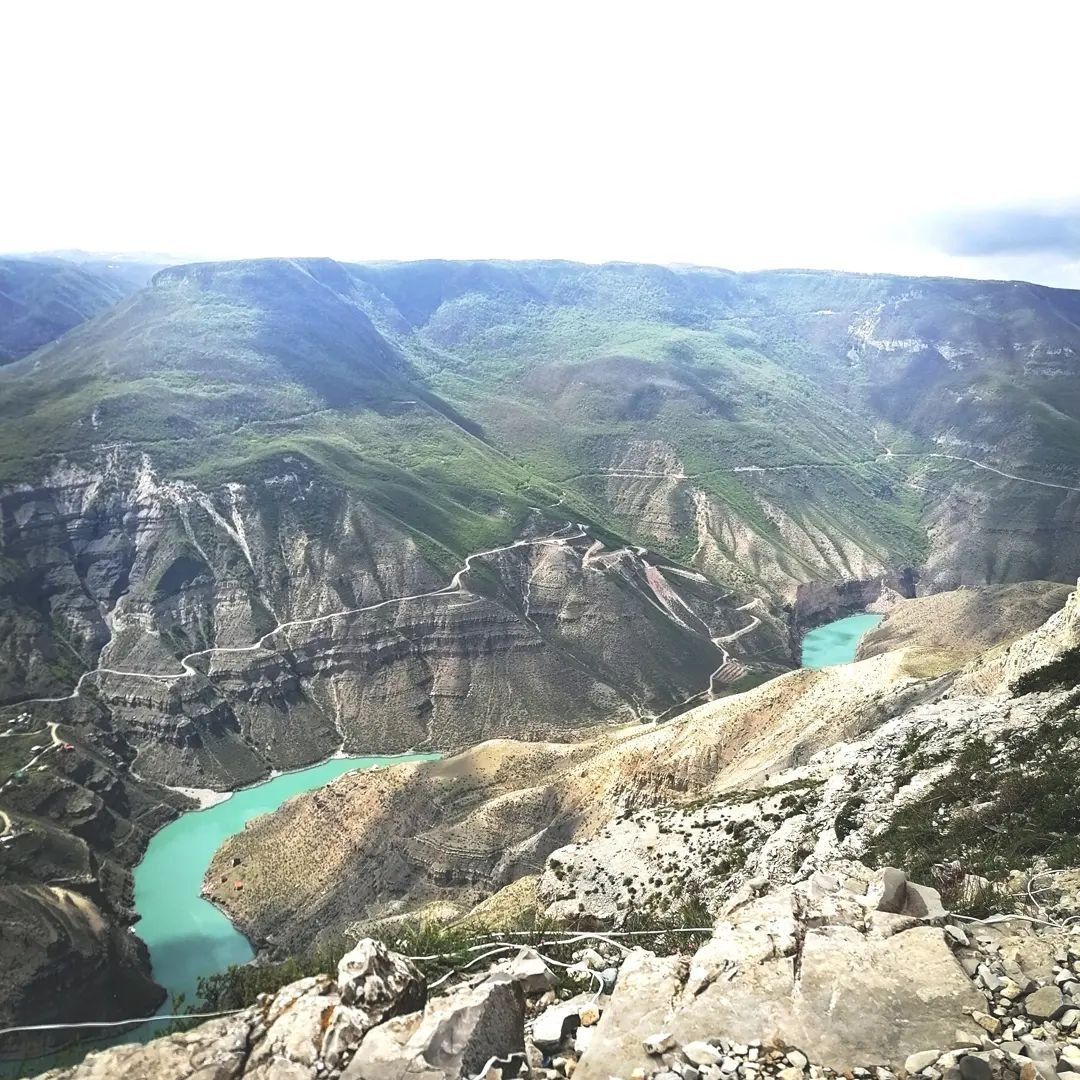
(186,935)
(837,641)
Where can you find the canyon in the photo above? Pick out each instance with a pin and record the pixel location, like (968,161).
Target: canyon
(551,520)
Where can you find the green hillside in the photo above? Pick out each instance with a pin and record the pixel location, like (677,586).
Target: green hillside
(457,395)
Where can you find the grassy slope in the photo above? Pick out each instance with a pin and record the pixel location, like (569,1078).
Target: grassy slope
(42,299)
(455,396)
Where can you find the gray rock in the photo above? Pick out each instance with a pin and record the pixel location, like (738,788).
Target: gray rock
(918,1061)
(703,1053)
(1042,1056)
(455,1036)
(843,1006)
(975,1068)
(923,902)
(899,896)
(659,1043)
(219,1046)
(1045,1003)
(381,982)
(647,986)
(894,888)
(1069,1057)
(557,1021)
(529,970)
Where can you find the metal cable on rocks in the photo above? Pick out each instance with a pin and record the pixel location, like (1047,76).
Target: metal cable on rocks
(117,1023)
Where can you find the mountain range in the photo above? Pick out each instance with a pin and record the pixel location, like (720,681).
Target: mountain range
(257,512)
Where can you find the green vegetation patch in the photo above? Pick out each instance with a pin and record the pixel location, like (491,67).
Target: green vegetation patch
(988,817)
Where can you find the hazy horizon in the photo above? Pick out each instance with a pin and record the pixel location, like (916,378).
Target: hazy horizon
(927,141)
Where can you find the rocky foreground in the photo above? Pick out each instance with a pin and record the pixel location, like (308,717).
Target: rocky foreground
(854,973)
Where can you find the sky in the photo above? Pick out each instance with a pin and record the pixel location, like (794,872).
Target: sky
(925,138)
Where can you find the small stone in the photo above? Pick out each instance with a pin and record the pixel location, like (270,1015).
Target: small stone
(1068,1019)
(529,970)
(790,1073)
(987,1022)
(639,1073)
(589,1015)
(592,959)
(703,1053)
(796,1058)
(660,1043)
(1028,1071)
(917,1062)
(729,1066)
(956,935)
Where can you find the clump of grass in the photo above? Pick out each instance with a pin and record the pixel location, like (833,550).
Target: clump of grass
(986,818)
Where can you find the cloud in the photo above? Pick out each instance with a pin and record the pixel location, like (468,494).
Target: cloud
(1010,231)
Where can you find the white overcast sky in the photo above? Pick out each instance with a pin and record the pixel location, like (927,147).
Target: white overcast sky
(864,136)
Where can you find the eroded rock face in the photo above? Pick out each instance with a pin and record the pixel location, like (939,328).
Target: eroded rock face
(148,577)
(61,950)
(817,967)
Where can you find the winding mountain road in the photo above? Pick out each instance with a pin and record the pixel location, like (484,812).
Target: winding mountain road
(454,588)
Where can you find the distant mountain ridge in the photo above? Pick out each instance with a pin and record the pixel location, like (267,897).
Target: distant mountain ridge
(42,297)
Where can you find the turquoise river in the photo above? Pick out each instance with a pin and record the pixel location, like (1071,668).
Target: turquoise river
(837,641)
(186,935)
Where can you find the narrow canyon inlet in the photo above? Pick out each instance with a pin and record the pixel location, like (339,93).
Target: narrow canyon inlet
(838,641)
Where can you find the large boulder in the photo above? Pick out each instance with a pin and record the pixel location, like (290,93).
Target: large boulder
(381,982)
(814,967)
(641,1004)
(455,1036)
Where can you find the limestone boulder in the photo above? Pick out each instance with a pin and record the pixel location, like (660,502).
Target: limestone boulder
(455,1036)
(381,982)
